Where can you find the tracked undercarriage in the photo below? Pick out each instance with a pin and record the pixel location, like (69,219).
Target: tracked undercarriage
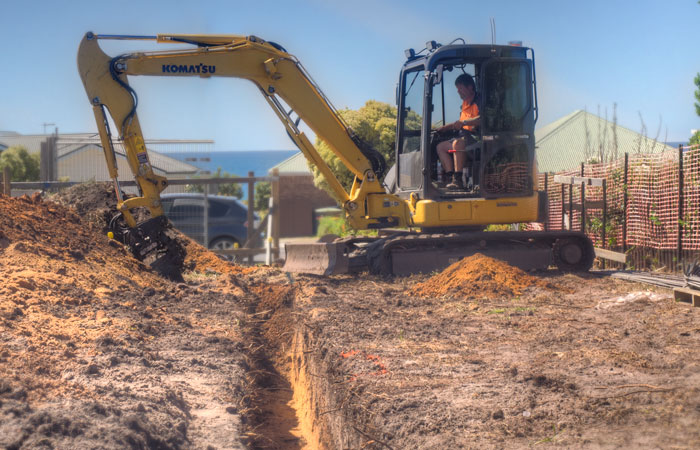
(404,253)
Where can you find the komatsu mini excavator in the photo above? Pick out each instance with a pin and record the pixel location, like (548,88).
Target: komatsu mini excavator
(425,226)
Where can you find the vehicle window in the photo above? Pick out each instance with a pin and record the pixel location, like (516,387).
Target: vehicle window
(412,110)
(217,208)
(188,202)
(507,100)
(182,211)
(447,106)
(410,158)
(508,171)
(167,204)
(237,210)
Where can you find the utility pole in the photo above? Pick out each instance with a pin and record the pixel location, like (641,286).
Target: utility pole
(47,125)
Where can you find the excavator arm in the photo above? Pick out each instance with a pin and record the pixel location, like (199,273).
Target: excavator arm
(281,80)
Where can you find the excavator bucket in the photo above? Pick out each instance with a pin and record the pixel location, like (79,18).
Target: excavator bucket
(317,258)
(153,242)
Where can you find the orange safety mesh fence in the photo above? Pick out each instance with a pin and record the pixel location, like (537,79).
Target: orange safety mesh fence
(507,178)
(652,216)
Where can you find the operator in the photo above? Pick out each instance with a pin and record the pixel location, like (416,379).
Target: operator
(468,120)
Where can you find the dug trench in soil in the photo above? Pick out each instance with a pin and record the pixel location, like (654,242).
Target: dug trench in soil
(291,393)
(97,350)
(552,360)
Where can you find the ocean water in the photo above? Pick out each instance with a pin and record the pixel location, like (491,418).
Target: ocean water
(237,163)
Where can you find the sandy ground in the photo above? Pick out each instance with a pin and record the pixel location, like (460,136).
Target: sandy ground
(98,351)
(583,362)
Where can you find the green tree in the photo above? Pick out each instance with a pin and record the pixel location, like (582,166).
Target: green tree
(262,196)
(695,139)
(375,123)
(230,189)
(23,166)
(697,94)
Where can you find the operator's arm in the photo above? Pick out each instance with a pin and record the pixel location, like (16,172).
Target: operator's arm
(456,126)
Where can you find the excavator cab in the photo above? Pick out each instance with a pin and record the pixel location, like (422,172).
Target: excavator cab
(500,158)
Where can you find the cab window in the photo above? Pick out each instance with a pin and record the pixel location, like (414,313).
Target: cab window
(507,90)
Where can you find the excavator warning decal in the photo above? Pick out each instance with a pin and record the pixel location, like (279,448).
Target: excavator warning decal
(142,158)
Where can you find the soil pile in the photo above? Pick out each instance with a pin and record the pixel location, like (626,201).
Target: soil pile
(477,276)
(98,350)
(96,203)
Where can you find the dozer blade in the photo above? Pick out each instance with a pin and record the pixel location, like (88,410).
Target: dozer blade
(318,258)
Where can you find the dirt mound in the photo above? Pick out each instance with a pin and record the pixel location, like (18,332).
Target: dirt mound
(93,201)
(48,229)
(140,361)
(199,259)
(97,202)
(477,276)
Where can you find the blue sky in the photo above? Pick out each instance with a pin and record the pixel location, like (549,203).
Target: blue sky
(640,54)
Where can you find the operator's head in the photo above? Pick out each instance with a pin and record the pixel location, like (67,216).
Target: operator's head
(466,87)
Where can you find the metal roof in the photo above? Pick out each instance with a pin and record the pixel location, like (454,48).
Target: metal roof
(561,145)
(159,161)
(578,137)
(69,144)
(294,165)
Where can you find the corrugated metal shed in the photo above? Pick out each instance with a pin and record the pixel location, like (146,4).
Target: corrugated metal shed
(89,159)
(80,156)
(579,137)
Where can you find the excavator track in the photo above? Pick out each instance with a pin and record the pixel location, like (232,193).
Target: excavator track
(409,253)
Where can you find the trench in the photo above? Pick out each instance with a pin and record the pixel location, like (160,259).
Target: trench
(291,403)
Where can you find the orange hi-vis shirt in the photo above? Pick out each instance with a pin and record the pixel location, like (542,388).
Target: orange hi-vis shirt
(469,112)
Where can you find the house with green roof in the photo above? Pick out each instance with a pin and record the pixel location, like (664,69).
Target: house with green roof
(299,197)
(294,165)
(561,145)
(584,137)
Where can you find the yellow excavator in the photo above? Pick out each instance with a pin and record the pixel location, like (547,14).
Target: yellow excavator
(424,225)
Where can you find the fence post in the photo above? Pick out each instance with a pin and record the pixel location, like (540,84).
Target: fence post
(546,190)
(605,209)
(205,216)
(268,240)
(680,206)
(563,206)
(583,203)
(605,214)
(571,206)
(624,215)
(275,193)
(6,182)
(251,213)
(47,159)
